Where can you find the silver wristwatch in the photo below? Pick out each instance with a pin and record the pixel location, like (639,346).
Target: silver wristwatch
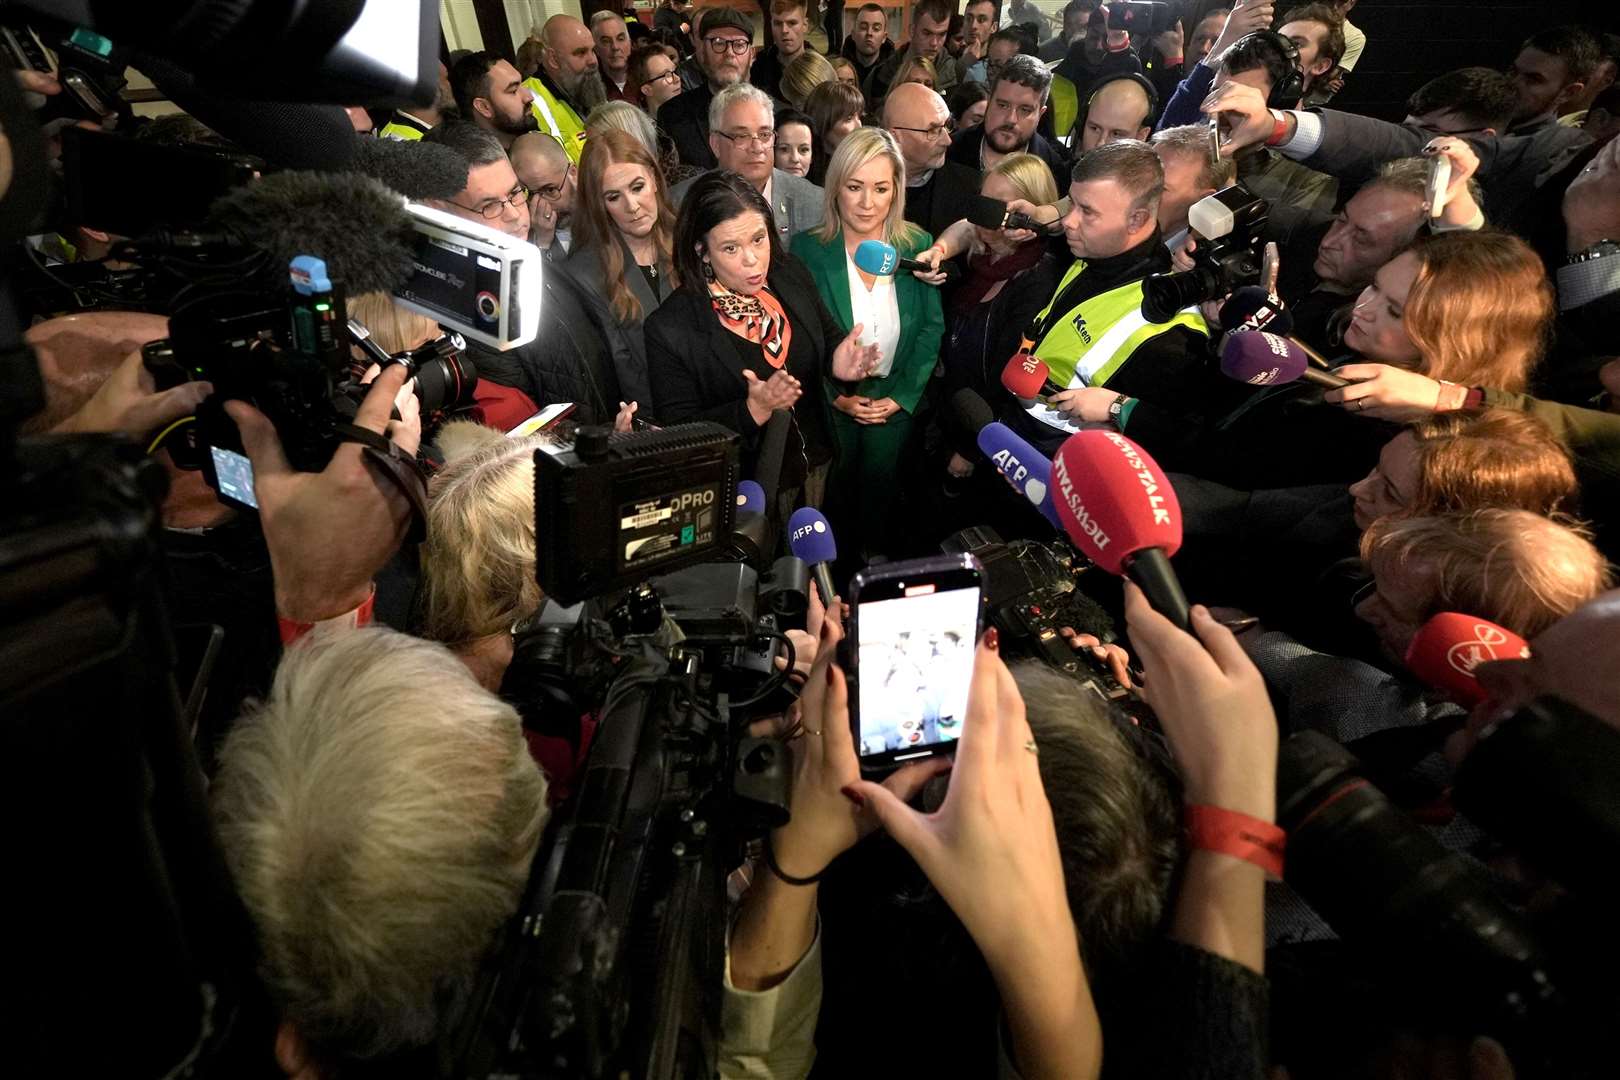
(1114,409)
(1599,250)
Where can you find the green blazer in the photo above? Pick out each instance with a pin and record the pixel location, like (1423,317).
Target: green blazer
(922,319)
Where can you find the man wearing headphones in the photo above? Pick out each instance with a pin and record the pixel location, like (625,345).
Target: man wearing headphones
(1120,107)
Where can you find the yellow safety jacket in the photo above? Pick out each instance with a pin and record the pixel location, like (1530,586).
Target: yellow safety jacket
(1087,344)
(404,127)
(1064,101)
(557,117)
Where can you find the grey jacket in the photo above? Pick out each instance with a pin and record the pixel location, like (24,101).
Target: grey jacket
(1510,166)
(796,203)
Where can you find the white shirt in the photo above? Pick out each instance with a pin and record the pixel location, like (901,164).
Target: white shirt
(1354,42)
(877,311)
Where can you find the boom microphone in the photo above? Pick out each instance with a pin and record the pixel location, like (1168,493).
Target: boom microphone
(880,259)
(810,539)
(1025,468)
(1262,359)
(1446,650)
(354,224)
(416,169)
(1026,376)
(1117,507)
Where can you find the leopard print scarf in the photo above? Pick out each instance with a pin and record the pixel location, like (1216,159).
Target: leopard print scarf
(759,318)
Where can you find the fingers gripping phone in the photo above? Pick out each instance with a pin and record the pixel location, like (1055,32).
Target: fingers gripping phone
(914,627)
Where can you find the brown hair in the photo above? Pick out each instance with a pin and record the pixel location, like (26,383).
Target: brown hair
(639,56)
(1498,457)
(1333,40)
(528,56)
(595,226)
(829,103)
(803,74)
(1479,310)
(1513,567)
(782,7)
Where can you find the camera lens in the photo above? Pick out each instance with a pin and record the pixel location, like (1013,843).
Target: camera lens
(1165,294)
(445,382)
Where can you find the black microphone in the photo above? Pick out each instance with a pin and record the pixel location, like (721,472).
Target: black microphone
(972,411)
(358,227)
(988,213)
(416,169)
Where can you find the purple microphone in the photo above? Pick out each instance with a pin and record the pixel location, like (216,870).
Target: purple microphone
(1262,359)
(1026,468)
(750,497)
(810,539)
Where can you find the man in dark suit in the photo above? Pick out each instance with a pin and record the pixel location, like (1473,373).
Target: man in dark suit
(937,190)
(726,51)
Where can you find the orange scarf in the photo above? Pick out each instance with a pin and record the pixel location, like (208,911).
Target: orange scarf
(758,318)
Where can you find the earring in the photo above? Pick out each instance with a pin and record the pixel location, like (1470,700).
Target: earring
(708,270)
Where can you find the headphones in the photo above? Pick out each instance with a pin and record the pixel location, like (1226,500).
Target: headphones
(1287,92)
(1132,76)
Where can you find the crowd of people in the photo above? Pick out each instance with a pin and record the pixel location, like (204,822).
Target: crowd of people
(1081,892)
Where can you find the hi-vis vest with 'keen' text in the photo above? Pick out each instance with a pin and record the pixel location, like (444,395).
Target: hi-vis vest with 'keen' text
(1086,345)
(557,118)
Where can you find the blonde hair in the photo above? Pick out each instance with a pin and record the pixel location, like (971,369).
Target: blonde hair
(625,117)
(379,812)
(803,74)
(478,560)
(1513,567)
(1030,176)
(1480,309)
(393,326)
(860,147)
(910,66)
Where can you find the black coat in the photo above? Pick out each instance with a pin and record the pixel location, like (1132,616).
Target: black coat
(625,342)
(686,118)
(696,364)
(965,151)
(567,361)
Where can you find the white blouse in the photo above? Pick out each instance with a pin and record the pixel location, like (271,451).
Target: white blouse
(877,310)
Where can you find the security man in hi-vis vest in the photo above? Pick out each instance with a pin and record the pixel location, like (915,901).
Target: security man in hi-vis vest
(1109,363)
(568,85)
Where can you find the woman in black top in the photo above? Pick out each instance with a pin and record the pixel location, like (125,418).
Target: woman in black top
(745,340)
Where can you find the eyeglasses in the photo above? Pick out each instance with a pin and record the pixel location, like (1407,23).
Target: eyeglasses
(932,131)
(493,208)
(755,139)
(669,76)
(553,192)
(737,45)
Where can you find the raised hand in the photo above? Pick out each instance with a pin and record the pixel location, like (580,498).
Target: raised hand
(853,361)
(765,396)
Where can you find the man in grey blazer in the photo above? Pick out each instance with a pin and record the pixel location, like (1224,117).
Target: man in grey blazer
(742,134)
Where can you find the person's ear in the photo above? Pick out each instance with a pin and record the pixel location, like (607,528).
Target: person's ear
(292,1053)
(1568,94)
(1138,219)
(484,107)
(714,145)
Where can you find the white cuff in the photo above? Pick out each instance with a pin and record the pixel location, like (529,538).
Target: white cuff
(1473,224)
(1307,136)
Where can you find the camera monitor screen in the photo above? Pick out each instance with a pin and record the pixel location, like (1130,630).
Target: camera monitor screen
(916,663)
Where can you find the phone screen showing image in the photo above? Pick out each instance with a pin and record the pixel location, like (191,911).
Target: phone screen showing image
(235,475)
(915,653)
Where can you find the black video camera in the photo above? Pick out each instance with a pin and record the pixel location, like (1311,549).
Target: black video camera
(1227,227)
(1141,17)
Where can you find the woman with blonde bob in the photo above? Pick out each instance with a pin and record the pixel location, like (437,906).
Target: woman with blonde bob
(623,237)
(803,74)
(917,69)
(866,201)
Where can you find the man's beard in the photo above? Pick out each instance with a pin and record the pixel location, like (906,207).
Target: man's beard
(587,92)
(1004,140)
(526,122)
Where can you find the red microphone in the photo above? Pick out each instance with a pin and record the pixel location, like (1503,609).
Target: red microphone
(1027,376)
(1446,650)
(1122,514)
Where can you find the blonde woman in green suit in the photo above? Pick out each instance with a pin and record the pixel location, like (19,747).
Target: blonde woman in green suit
(865,200)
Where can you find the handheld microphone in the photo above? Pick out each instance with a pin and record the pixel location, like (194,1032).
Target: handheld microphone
(810,538)
(1446,650)
(1252,308)
(1025,468)
(988,213)
(880,259)
(1262,359)
(1027,376)
(971,410)
(750,497)
(1117,507)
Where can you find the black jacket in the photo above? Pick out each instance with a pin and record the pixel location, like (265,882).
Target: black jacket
(966,144)
(686,118)
(885,51)
(696,364)
(567,361)
(625,342)
(767,70)
(943,200)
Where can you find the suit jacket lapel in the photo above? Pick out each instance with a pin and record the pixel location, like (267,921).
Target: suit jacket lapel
(835,270)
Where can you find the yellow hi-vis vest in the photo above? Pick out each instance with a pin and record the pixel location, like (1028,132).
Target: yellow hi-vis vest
(558,118)
(1088,344)
(1065,105)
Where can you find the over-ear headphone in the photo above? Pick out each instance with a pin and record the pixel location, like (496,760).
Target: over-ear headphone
(1287,92)
(1139,79)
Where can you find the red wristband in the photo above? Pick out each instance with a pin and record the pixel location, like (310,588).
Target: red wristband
(1227,832)
(361,616)
(1475,398)
(1279,131)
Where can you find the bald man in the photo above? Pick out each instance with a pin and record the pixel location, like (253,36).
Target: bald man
(568,85)
(543,166)
(937,190)
(1120,109)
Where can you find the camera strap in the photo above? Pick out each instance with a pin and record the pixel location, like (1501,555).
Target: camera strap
(399,467)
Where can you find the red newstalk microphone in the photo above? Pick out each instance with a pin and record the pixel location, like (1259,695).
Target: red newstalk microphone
(1027,376)
(1446,650)
(1118,509)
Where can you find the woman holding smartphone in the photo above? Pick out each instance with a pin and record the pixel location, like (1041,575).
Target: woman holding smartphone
(900,316)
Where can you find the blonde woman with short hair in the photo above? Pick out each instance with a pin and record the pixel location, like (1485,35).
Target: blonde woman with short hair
(865,195)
